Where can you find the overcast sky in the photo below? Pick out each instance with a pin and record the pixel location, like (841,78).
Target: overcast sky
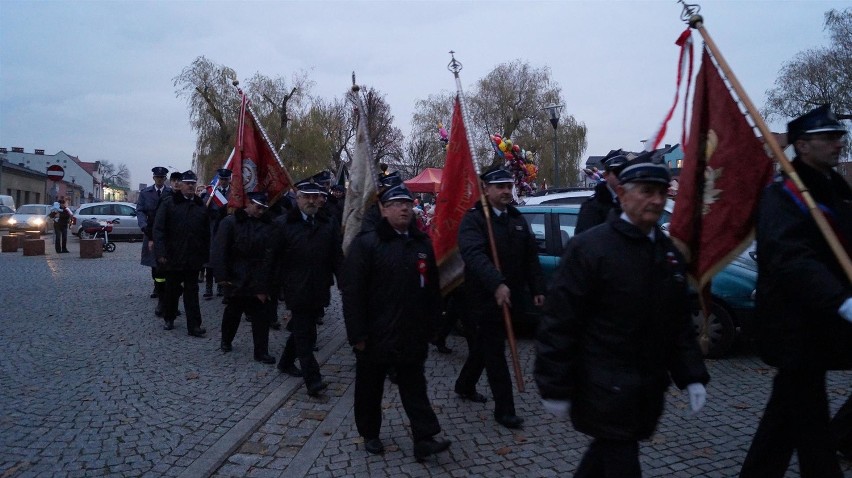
(95,78)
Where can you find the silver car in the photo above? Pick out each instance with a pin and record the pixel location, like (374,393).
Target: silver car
(122,215)
(32,217)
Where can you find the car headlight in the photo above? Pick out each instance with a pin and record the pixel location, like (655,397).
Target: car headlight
(38,221)
(12,220)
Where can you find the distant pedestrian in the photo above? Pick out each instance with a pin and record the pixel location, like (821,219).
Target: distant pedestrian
(617,329)
(61,221)
(182,246)
(304,253)
(146,211)
(488,289)
(391,301)
(596,209)
(804,304)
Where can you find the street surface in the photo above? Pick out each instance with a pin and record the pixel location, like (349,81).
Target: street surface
(91,385)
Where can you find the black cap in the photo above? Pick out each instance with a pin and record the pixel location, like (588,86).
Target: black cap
(258,198)
(397,193)
(307,186)
(497,175)
(390,180)
(818,120)
(614,161)
(323,178)
(160,172)
(188,177)
(224,173)
(175,176)
(642,169)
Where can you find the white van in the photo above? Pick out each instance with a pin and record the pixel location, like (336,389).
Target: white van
(7,201)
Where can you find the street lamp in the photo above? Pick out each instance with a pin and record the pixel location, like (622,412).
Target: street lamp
(554,110)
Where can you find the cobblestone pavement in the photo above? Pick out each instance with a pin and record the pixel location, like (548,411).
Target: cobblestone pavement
(92,386)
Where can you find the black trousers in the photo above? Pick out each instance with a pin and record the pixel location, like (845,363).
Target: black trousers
(841,428)
(259,313)
(610,459)
(487,351)
(186,283)
(796,418)
(300,344)
(60,236)
(369,389)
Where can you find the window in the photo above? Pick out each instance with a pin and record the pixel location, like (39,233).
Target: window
(124,210)
(537,226)
(567,224)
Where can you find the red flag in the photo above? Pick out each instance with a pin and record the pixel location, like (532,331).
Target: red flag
(255,164)
(459,192)
(725,168)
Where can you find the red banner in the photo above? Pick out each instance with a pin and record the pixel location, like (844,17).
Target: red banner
(725,168)
(459,192)
(255,165)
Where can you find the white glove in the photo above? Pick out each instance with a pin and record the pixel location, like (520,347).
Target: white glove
(697,397)
(557,408)
(845,310)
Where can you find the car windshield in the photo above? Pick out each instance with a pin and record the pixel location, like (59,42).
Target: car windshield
(32,209)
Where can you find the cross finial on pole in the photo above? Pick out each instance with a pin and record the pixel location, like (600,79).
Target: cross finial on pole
(454,66)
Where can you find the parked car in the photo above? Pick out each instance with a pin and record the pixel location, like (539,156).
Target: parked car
(558,196)
(121,214)
(6,213)
(32,217)
(733,288)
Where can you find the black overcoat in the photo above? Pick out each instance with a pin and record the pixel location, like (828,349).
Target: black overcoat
(181,233)
(238,255)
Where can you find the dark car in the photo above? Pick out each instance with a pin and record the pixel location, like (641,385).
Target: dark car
(6,213)
(732,307)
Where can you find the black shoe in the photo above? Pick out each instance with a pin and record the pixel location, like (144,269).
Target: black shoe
(315,389)
(154,295)
(197,332)
(226,347)
(426,448)
(509,421)
(220,292)
(169,325)
(158,311)
(291,370)
(208,294)
(374,446)
(275,325)
(473,397)
(66,251)
(265,358)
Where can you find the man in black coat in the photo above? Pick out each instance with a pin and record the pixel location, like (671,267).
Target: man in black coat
(595,210)
(617,326)
(391,300)
(217,213)
(804,304)
(305,253)
(488,289)
(182,246)
(238,262)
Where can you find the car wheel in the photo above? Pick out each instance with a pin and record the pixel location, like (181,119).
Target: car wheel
(721,331)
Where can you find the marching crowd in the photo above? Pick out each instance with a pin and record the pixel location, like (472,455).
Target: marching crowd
(616,330)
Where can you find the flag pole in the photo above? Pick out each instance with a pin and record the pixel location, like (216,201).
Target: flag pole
(455,67)
(696,21)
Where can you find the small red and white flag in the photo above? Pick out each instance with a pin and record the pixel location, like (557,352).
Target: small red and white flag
(219,198)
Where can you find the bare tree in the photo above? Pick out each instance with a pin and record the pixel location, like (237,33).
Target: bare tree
(116,175)
(818,75)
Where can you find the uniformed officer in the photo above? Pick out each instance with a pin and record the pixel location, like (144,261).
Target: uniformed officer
(595,210)
(182,245)
(488,289)
(146,210)
(174,179)
(237,260)
(804,303)
(391,300)
(217,213)
(305,252)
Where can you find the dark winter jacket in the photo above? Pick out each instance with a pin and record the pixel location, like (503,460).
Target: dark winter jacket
(391,294)
(596,209)
(800,283)
(617,327)
(518,254)
(239,252)
(146,211)
(181,233)
(304,258)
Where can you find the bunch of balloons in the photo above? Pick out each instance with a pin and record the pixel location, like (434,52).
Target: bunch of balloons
(519,161)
